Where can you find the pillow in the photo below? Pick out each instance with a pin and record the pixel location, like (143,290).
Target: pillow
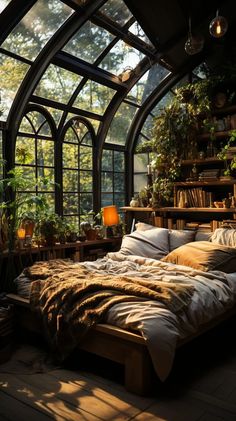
(142,226)
(203,235)
(204,255)
(225,236)
(152,243)
(178,238)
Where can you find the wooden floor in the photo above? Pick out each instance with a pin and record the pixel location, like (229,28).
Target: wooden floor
(202,386)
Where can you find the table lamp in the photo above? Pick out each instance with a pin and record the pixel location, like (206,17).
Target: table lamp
(110,218)
(21,237)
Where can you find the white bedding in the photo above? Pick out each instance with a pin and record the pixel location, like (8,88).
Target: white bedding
(215,292)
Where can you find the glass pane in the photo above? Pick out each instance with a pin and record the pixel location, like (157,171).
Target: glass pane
(140,162)
(119,199)
(119,182)
(119,127)
(3,4)
(12,73)
(86,181)
(140,141)
(95,123)
(50,199)
(45,129)
(86,203)
(81,131)
(87,139)
(57,84)
(107,163)
(117,11)
(140,181)
(164,102)
(29,37)
(45,152)
(86,158)
(119,161)
(106,199)
(70,204)
(26,126)
(73,221)
(136,29)
(26,144)
(94,97)
(28,175)
(71,135)
(89,42)
(48,184)
(70,180)
(147,127)
(119,57)
(56,114)
(37,121)
(107,182)
(70,156)
(146,85)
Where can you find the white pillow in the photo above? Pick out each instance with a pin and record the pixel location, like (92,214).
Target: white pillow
(142,226)
(178,238)
(152,243)
(224,236)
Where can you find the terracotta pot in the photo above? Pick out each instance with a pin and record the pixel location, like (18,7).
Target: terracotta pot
(91,234)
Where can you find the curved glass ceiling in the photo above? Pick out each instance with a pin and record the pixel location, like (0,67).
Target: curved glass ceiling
(35,29)
(83,78)
(89,42)
(117,11)
(3,4)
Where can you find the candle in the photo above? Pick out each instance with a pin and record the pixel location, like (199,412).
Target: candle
(21,233)
(149,169)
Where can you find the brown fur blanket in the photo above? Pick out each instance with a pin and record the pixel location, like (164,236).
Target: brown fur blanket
(71,299)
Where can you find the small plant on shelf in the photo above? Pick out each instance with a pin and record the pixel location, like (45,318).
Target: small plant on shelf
(227,154)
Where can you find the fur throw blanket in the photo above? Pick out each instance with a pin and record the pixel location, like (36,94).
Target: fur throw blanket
(71,299)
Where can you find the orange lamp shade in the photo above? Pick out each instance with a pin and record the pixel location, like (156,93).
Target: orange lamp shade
(21,233)
(110,216)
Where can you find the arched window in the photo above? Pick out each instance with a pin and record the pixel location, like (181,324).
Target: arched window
(34,154)
(77,169)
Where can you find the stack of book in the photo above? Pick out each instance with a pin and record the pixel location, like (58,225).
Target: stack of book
(209,175)
(196,197)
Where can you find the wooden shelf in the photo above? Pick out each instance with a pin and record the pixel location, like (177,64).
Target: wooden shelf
(136,209)
(217,135)
(225,110)
(205,161)
(187,210)
(205,183)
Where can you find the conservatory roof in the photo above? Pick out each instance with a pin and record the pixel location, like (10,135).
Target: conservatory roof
(97,58)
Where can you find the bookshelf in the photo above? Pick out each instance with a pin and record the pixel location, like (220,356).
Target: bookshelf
(207,219)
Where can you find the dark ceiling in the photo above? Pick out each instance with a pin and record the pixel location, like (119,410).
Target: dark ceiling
(166,25)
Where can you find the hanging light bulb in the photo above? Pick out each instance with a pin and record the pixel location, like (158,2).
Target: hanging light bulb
(194,44)
(218,26)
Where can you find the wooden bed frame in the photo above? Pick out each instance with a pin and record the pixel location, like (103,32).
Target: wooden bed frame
(116,344)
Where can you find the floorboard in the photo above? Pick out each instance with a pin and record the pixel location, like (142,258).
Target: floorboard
(201,387)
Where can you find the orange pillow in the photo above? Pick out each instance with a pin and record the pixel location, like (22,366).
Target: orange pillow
(203,255)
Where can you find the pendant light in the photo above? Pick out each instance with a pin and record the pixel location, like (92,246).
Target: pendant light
(218,26)
(194,44)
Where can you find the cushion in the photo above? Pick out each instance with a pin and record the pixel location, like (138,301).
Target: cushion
(178,238)
(225,236)
(204,255)
(152,243)
(142,226)
(203,235)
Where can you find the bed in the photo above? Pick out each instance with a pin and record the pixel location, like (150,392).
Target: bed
(188,282)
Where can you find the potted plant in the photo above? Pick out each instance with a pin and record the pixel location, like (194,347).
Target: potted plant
(227,154)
